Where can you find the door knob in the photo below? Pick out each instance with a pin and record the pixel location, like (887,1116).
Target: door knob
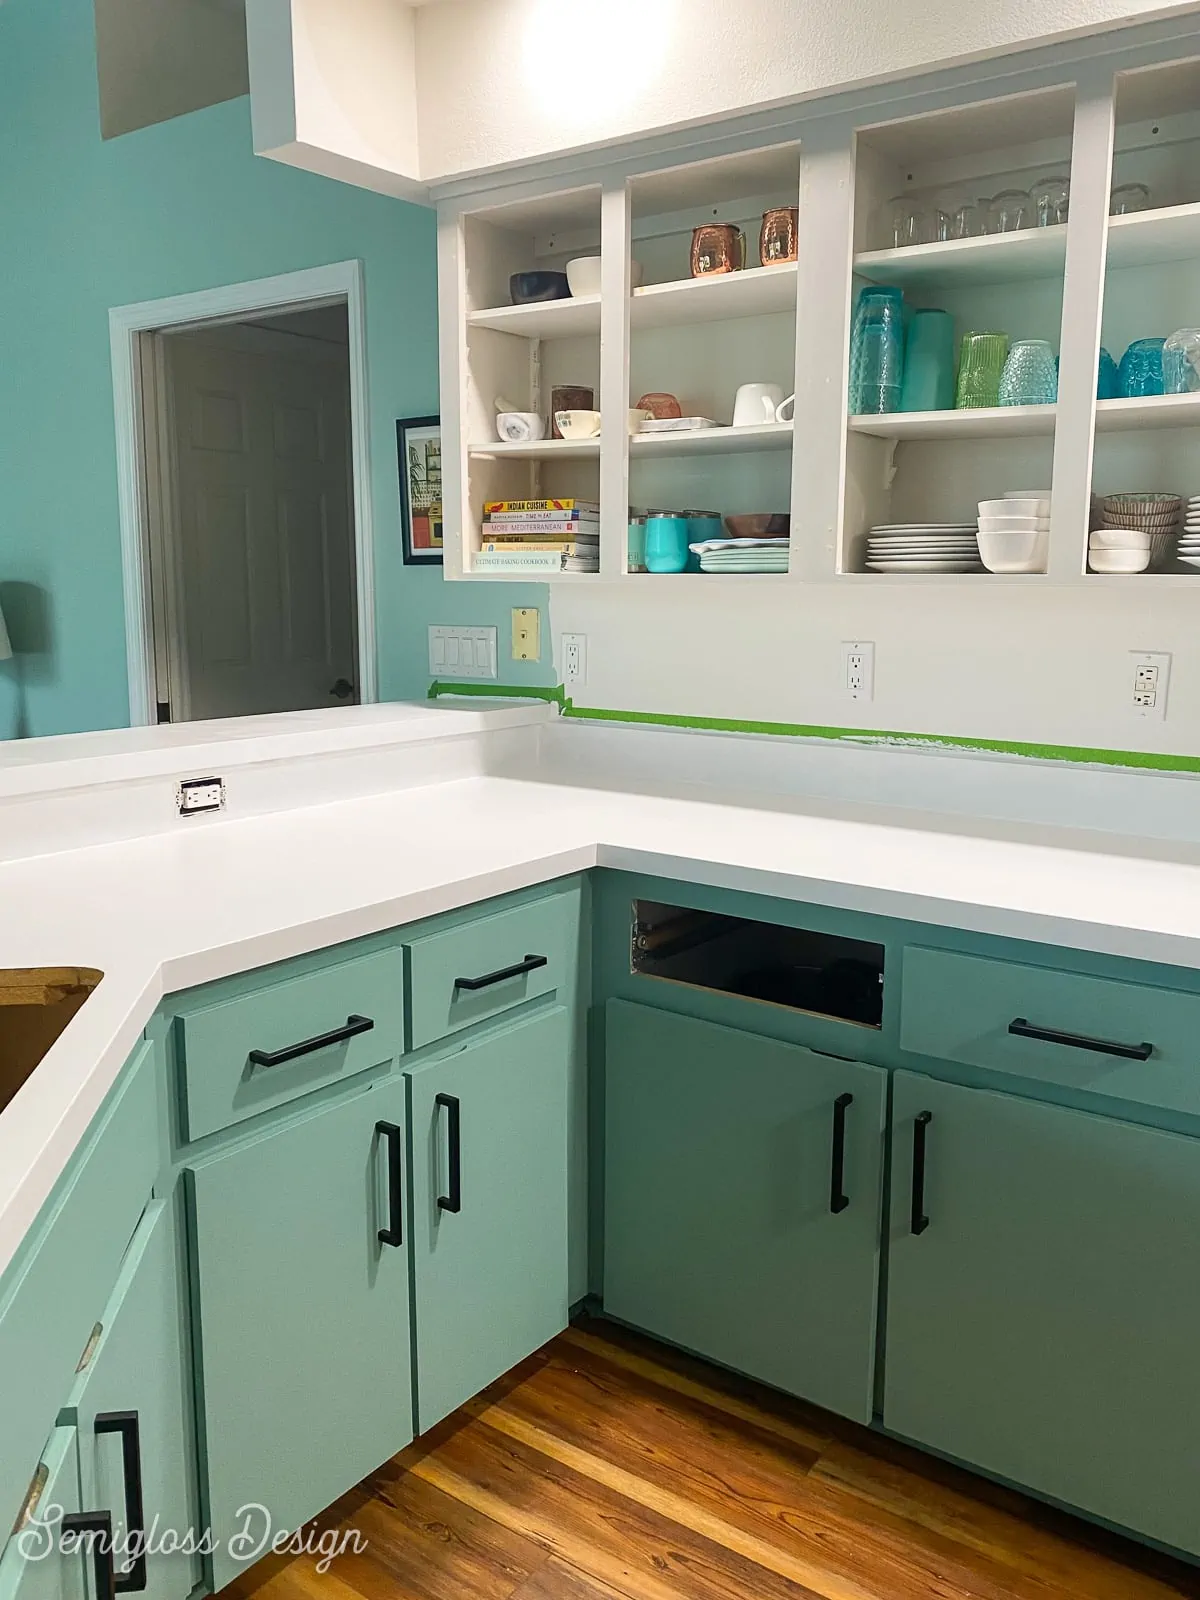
(342,689)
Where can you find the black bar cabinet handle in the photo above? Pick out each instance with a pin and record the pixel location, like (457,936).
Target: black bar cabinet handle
(275,1058)
(919,1220)
(530,964)
(838,1198)
(1080,1041)
(94,1528)
(125,1423)
(393,1234)
(453,1200)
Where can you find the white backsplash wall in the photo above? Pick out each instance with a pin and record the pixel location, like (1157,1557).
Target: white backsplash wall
(1018,661)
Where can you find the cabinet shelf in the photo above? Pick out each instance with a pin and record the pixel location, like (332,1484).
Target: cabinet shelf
(992,422)
(714,441)
(995,258)
(1146,238)
(539,450)
(1151,411)
(756,292)
(545,319)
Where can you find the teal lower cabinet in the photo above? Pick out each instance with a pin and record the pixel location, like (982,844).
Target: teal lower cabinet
(35,1564)
(136,1441)
(1043,1301)
(742,1200)
(302,1278)
(489,1139)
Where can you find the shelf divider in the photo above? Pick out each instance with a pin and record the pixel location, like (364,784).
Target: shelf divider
(615,229)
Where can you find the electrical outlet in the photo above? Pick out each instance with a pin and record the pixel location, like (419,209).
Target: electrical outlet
(858,670)
(574,660)
(195,795)
(1151,679)
(526,633)
(462,652)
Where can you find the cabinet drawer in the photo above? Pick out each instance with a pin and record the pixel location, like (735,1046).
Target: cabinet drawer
(477,970)
(58,1291)
(963,1008)
(259,1050)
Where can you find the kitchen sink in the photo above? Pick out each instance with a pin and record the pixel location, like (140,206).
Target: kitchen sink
(36,1004)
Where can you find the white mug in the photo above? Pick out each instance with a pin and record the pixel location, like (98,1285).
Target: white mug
(520,427)
(578,424)
(755,403)
(786,409)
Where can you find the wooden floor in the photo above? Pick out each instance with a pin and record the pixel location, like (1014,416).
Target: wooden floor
(608,1468)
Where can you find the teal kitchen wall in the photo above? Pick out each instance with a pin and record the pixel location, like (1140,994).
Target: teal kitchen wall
(186,205)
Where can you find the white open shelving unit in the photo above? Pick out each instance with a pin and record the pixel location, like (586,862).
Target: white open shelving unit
(1093,280)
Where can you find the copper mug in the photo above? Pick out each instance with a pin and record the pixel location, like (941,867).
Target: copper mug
(777,239)
(717,247)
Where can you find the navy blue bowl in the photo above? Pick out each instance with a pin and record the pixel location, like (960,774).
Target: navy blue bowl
(528,287)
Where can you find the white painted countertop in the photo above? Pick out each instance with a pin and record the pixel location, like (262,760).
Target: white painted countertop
(181,907)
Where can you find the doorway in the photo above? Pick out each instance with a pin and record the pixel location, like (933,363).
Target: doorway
(245,517)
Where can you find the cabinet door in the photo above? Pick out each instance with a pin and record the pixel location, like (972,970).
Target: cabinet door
(721,1230)
(32,1565)
(1041,1324)
(305,1356)
(490,1225)
(136,1442)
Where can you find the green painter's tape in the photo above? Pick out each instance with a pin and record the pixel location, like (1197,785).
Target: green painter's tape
(1147,760)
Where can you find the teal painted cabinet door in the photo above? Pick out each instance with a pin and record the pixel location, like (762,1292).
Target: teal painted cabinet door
(32,1566)
(304,1349)
(742,1201)
(1041,1322)
(131,1399)
(489,1126)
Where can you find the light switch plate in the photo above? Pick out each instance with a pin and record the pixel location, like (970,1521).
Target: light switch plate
(462,652)
(526,633)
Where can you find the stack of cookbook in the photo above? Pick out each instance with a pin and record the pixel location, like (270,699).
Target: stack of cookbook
(539,536)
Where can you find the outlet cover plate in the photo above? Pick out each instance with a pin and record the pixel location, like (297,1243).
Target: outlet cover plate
(574,660)
(526,633)
(1150,679)
(858,669)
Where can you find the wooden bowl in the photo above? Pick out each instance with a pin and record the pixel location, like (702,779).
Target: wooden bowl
(759,525)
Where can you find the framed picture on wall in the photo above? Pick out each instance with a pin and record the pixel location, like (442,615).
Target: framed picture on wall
(419,452)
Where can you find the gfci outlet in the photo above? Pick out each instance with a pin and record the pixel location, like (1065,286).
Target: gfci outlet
(195,795)
(858,669)
(1149,681)
(574,660)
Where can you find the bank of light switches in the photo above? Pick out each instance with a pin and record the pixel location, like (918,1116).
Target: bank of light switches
(462,652)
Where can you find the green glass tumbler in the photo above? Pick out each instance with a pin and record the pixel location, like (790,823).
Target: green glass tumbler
(981,359)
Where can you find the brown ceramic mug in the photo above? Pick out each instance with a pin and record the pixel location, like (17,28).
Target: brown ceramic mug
(717,247)
(778,237)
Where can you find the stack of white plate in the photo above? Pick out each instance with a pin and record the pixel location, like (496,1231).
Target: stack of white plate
(1189,539)
(923,547)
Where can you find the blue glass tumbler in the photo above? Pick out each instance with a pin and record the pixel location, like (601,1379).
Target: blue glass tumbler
(929,363)
(877,352)
(667,544)
(1108,382)
(1141,369)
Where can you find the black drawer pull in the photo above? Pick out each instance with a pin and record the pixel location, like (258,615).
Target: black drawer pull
(92,1530)
(530,964)
(133,1579)
(838,1198)
(1080,1041)
(393,1234)
(919,1220)
(307,1047)
(453,1200)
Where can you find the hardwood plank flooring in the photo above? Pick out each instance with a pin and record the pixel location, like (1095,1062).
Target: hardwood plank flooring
(607,1467)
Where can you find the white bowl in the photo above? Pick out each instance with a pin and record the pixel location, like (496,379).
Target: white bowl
(1119,539)
(520,427)
(1014,525)
(1014,551)
(1027,494)
(1118,560)
(1015,506)
(583,275)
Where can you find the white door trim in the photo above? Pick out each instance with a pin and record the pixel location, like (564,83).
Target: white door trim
(342,280)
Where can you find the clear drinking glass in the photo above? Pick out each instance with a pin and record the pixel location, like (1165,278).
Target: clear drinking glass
(1181,362)
(1050,198)
(877,351)
(966,217)
(981,359)
(1009,210)
(908,222)
(1030,376)
(1128,197)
